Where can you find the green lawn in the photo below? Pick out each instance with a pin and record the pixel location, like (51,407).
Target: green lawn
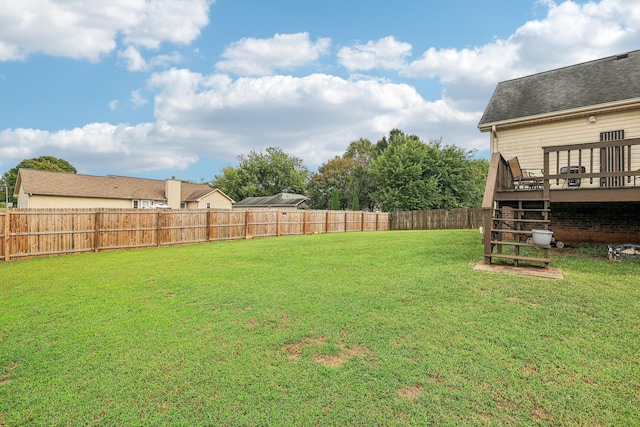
(380,328)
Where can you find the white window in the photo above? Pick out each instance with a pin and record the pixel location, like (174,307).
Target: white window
(136,204)
(145,203)
(183,205)
(208,205)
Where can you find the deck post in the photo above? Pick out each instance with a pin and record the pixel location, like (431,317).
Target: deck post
(546,189)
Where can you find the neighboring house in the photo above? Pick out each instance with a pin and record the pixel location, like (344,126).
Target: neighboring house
(279,201)
(583,119)
(44,189)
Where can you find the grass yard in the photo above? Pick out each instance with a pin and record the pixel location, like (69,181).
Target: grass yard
(380,328)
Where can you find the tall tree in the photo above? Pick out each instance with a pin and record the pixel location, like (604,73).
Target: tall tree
(47,163)
(363,153)
(335,176)
(401,175)
(410,174)
(263,174)
(349,174)
(335,201)
(355,206)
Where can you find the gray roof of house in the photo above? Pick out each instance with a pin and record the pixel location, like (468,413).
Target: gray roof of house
(611,79)
(279,200)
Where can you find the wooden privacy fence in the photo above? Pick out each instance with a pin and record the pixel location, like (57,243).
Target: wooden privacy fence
(439,219)
(36,232)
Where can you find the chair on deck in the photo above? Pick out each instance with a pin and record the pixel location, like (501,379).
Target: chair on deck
(572,182)
(521,178)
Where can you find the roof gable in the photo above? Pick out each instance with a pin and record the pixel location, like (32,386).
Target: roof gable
(606,80)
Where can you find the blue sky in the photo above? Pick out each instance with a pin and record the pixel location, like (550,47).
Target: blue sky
(156,88)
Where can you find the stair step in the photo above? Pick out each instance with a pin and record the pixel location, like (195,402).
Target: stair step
(508,230)
(519,258)
(522,220)
(521,244)
(522,210)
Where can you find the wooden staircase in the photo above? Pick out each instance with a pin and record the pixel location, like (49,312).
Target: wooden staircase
(511,235)
(509,217)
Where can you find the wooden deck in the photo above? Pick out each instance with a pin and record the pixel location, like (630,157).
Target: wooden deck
(574,195)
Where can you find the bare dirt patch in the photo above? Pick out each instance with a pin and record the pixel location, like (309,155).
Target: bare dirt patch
(409,392)
(333,361)
(295,349)
(339,359)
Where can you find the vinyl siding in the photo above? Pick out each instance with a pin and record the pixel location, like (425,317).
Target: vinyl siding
(527,142)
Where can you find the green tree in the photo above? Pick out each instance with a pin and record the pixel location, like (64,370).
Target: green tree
(401,175)
(335,202)
(47,163)
(362,152)
(412,175)
(349,174)
(333,176)
(263,174)
(356,203)
(479,172)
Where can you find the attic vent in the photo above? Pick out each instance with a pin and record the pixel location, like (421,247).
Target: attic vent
(612,135)
(623,56)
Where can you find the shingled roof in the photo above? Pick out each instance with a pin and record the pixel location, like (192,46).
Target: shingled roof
(105,187)
(281,200)
(606,80)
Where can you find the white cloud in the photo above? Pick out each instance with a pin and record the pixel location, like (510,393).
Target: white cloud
(135,62)
(113,105)
(89,29)
(100,145)
(133,59)
(386,53)
(573,33)
(570,33)
(137,99)
(488,63)
(252,57)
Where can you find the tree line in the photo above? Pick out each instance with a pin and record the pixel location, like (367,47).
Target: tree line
(398,172)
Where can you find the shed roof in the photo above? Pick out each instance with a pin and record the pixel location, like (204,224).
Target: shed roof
(105,187)
(279,200)
(611,79)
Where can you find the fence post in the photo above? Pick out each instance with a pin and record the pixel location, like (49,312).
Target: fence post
(278,213)
(159,227)
(96,238)
(326,222)
(304,222)
(7,246)
(246,224)
(208,233)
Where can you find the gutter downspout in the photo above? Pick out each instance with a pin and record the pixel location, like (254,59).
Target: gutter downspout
(493,144)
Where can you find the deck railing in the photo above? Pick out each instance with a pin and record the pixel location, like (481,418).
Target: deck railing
(607,164)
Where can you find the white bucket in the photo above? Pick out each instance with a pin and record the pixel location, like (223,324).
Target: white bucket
(542,237)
